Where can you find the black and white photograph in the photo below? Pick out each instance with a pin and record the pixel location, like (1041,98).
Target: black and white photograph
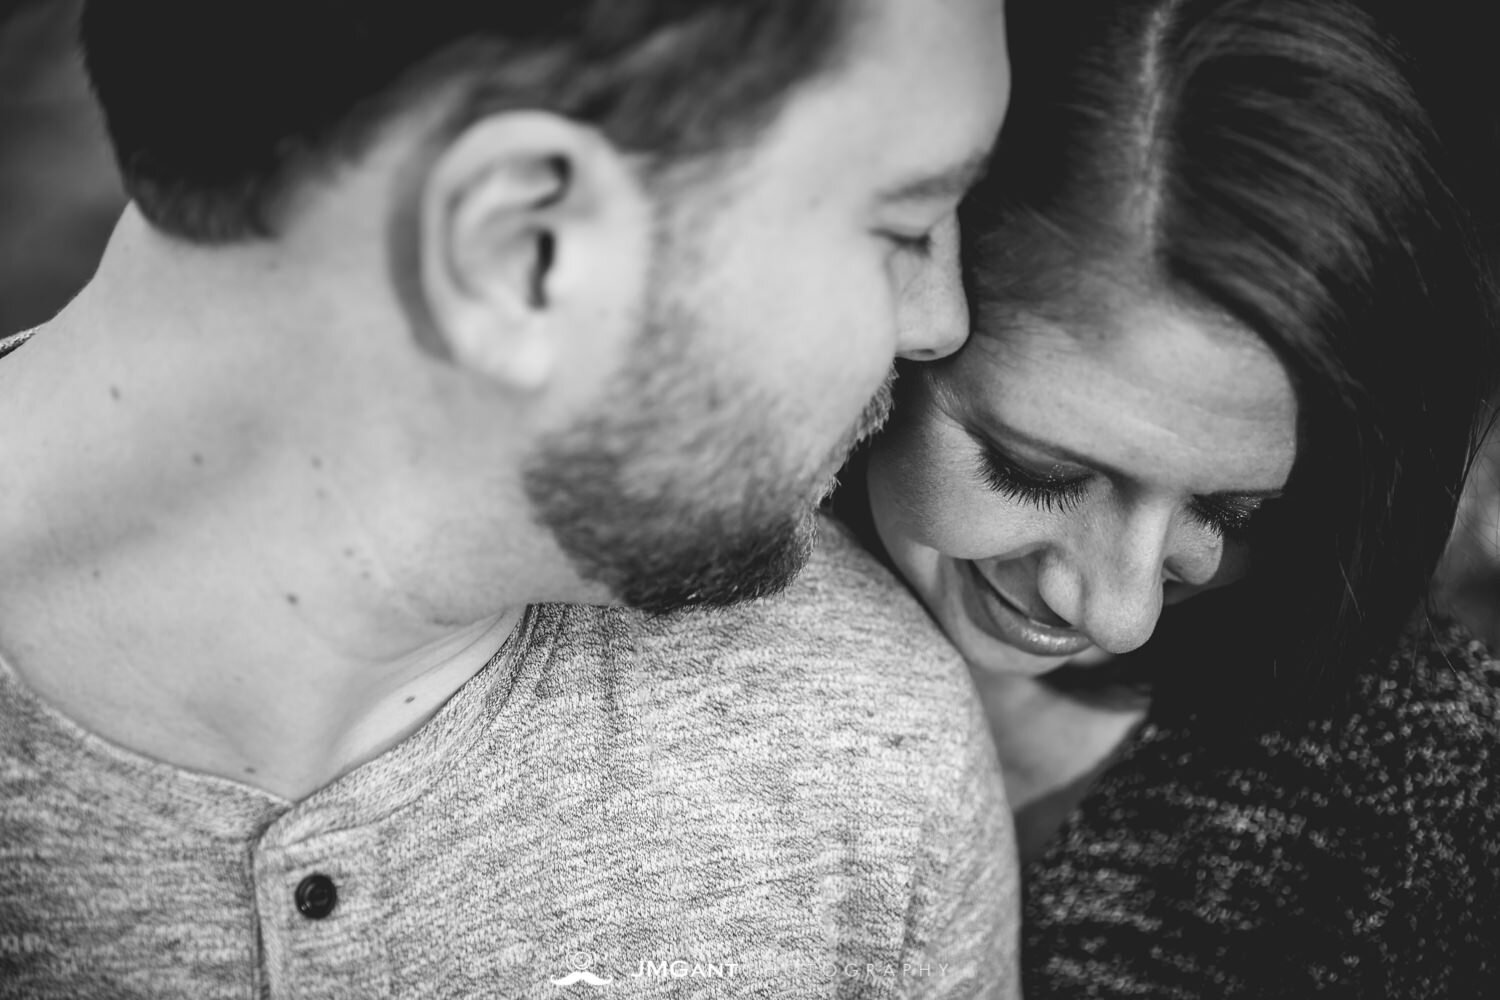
(749,500)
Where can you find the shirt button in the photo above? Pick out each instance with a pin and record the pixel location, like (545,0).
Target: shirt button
(316,896)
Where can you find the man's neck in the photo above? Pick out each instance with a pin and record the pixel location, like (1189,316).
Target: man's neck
(192,570)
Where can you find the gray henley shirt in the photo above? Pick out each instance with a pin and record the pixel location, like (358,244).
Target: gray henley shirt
(796,798)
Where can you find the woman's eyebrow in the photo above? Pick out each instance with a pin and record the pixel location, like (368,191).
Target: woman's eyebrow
(1258,495)
(993,428)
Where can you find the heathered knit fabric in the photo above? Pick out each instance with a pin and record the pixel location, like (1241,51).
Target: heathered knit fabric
(1355,856)
(796,798)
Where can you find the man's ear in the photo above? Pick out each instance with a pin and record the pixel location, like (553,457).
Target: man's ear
(535,248)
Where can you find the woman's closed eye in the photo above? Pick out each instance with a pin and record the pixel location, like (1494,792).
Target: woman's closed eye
(1046,490)
(916,244)
(1227,516)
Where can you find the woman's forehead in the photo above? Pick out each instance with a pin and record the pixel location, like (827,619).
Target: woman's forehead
(1159,392)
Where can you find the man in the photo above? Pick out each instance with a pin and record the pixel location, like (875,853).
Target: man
(425,314)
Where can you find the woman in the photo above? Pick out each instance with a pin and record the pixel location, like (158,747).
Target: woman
(1231,347)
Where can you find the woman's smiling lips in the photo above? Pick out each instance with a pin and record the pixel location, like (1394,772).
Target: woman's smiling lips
(997,615)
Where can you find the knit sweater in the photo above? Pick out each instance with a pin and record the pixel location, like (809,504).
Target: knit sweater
(1353,855)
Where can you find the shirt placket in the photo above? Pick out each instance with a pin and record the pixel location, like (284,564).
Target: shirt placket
(321,917)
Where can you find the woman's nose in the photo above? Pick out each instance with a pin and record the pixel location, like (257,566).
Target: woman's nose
(1108,583)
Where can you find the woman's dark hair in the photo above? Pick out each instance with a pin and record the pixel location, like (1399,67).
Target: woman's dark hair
(1272,160)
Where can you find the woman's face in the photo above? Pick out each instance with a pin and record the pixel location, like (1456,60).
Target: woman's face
(1045,491)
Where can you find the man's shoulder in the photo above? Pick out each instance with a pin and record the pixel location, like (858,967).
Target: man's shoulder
(843,596)
(845,664)
(845,621)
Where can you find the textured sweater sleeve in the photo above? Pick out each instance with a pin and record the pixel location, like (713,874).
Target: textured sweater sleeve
(1350,853)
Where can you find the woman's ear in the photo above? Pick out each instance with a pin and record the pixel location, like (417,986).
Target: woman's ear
(535,239)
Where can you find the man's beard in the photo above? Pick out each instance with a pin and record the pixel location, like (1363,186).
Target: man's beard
(678,491)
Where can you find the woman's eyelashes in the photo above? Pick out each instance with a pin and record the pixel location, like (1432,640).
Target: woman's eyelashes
(1043,490)
(1225,515)
(916,244)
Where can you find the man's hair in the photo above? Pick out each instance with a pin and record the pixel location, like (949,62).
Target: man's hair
(217,108)
(1272,160)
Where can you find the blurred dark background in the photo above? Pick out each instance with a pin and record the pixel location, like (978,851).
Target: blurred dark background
(59,195)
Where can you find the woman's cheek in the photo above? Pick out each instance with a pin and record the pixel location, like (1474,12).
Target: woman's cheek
(920,489)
